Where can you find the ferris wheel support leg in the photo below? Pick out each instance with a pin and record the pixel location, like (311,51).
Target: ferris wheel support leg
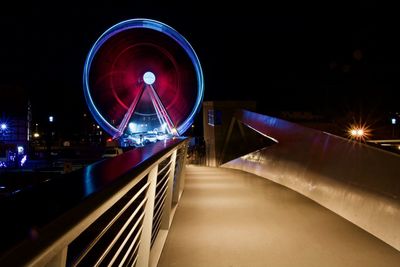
(164,112)
(128,116)
(160,117)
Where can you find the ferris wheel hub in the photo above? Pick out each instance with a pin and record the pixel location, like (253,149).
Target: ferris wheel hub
(149,78)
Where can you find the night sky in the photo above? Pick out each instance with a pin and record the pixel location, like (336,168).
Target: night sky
(327,58)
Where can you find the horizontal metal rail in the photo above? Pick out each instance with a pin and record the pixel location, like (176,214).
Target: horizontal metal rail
(105,229)
(107,217)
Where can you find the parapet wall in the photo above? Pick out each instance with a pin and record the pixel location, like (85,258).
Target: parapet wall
(358,182)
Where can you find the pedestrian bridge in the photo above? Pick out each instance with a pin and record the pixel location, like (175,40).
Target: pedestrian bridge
(310,199)
(233,218)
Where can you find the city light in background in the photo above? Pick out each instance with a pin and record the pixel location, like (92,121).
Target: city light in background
(359,132)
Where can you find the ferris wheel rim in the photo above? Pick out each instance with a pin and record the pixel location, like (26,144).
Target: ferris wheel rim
(143,23)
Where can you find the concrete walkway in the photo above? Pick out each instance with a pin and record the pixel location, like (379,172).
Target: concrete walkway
(232,218)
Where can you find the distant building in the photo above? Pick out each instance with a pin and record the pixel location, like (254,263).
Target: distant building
(15,119)
(217,118)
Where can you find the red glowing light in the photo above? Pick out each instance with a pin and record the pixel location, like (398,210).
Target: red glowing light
(117,70)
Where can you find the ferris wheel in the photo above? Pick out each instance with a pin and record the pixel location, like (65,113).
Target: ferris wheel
(143,79)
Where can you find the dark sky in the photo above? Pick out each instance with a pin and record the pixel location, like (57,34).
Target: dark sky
(336,56)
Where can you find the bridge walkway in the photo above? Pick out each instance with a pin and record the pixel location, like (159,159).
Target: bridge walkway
(232,218)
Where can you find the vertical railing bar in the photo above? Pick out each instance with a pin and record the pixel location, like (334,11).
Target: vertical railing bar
(165,221)
(145,247)
(177,179)
(181,176)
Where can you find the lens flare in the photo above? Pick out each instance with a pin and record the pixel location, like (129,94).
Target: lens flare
(359,132)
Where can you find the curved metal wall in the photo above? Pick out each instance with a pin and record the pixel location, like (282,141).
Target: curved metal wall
(358,182)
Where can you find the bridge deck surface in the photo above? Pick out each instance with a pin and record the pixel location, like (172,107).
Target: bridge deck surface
(232,218)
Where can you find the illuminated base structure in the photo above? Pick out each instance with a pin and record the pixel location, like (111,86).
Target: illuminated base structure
(149,129)
(143,82)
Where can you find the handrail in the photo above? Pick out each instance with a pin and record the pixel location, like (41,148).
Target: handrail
(57,212)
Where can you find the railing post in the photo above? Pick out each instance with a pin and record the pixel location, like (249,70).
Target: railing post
(60,260)
(180,176)
(166,219)
(145,238)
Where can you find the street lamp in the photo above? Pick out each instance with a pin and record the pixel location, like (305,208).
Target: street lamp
(3,131)
(393,125)
(358,132)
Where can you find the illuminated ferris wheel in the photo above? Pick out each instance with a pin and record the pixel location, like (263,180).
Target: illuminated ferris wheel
(143,81)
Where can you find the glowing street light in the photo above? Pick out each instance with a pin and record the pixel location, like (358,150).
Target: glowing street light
(3,126)
(358,132)
(393,126)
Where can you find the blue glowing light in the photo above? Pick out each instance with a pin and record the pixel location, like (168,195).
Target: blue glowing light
(133,127)
(3,126)
(393,121)
(23,160)
(20,149)
(89,184)
(148,77)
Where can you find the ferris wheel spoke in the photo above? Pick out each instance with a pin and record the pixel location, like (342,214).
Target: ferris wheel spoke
(160,117)
(128,115)
(163,111)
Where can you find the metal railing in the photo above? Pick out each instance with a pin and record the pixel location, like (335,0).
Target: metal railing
(113,218)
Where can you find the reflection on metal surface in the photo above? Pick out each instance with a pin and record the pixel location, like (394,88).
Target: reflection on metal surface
(101,214)
(358,182)
(89,180)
